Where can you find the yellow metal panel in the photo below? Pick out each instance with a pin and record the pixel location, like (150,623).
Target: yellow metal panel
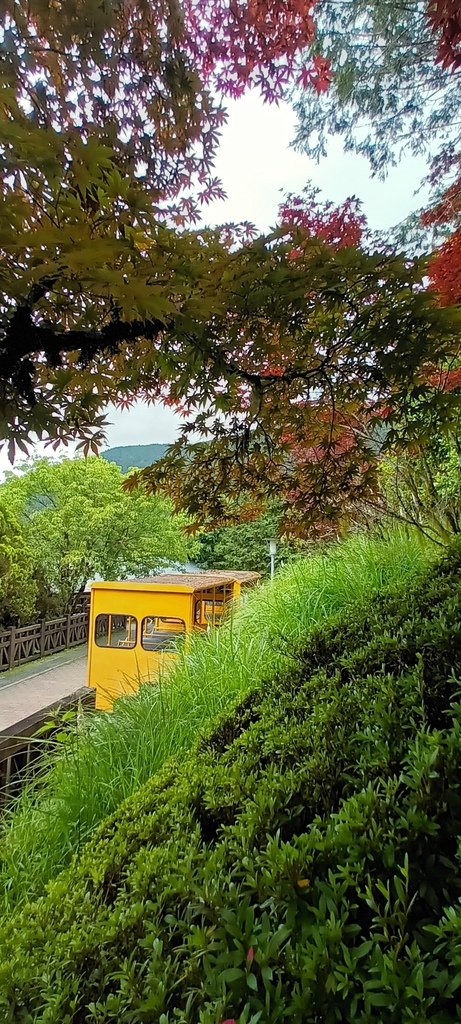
(113,671)
(198,603)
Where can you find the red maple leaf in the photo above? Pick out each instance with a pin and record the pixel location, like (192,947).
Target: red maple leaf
(445,20)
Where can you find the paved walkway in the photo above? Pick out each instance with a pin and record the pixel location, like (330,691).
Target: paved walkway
(27,690)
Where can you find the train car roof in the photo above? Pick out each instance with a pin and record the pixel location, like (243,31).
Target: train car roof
(186,582)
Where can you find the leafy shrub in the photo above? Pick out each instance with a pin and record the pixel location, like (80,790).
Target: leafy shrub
(112,755)
(301,864)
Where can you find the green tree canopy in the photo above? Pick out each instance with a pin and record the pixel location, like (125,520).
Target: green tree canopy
(394,81)
(276,347)
(18,587)
(80,523)
(387,93)
(246,545)
(308,343)
(420,486)
(109,120)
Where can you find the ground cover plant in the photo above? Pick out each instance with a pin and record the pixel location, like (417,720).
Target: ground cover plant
(301,863)
(114,754)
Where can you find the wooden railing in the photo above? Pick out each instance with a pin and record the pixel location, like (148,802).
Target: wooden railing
(21,755)
(22,644)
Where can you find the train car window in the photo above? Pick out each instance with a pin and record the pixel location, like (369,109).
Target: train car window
(159,633)
(115,631)
(208,611)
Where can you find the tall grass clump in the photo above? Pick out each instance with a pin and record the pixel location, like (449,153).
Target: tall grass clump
(110,755)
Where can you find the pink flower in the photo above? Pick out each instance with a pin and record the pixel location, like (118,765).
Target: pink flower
(250,956)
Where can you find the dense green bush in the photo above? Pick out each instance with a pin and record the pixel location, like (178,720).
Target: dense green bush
(301,864)
(110,756)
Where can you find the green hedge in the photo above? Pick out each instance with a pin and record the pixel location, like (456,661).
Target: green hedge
(301,865)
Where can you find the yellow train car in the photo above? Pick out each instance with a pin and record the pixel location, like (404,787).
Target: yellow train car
(136,626)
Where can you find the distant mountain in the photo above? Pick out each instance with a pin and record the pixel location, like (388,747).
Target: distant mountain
(135,456)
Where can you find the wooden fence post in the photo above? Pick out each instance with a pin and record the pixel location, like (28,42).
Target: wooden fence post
(68,626)
(42,637)
(11,652)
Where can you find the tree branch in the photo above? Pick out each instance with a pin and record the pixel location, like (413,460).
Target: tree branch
(21,339)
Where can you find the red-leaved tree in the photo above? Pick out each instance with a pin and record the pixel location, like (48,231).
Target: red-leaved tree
(110,116)
(445,266)
(312,341)
(277,347)
(236,43)
(445,19)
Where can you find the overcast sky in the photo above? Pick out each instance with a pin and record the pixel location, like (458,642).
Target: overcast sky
(255,164)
